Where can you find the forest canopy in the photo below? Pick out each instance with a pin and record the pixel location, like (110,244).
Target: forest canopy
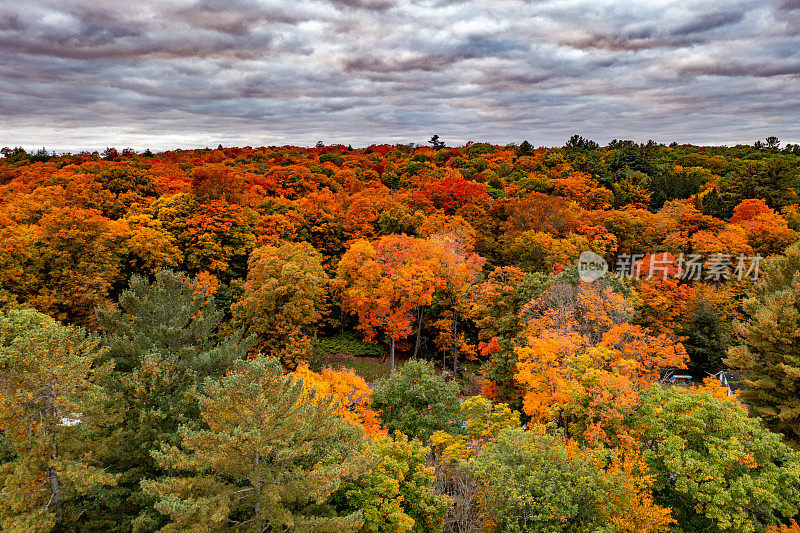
(399,338)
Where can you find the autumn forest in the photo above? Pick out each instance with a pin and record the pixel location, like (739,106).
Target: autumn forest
(400,338)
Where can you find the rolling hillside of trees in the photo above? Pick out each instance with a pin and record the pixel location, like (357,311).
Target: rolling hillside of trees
(401,338)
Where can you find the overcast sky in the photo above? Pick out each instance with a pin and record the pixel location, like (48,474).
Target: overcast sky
(179,74)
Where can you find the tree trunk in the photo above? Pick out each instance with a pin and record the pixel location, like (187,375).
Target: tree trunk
(391,357)
(52,471)
(257,507)
(455,346)
(55,486)
(419,331)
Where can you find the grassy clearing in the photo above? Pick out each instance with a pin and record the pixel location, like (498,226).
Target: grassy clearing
(349,344)
(348,351)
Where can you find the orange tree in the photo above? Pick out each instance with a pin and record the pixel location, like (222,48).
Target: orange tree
(459,272)
(384,282)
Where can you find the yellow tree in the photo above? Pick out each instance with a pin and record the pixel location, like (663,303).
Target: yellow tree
(347,388)
(284,299)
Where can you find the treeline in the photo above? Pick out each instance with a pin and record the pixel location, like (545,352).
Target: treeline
(158,344)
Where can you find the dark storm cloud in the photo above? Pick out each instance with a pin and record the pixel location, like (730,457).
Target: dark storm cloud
(628,43)
(217,15)
(77,74)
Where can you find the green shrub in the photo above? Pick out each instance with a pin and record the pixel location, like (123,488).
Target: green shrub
(417,402)
(368,369)
(479,149)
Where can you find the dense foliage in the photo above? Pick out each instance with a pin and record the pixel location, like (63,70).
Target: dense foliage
(178,333)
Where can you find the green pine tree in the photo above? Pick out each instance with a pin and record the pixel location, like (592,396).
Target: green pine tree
(267,460)
(163,339)
(769,359)
(175,316)
(707,340)
(50,407)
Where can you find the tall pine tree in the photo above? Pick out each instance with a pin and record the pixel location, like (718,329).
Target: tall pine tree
(268,458)
(163,338)
(50,406)
(769,359)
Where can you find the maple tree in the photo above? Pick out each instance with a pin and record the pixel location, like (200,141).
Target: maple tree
(663,299)
(149,246)
(458,273)
(384,282)
(767,231)
(80,253)
(582,365)
(792,527)
(213,181)
(453,191)
(350,390)
(219,238)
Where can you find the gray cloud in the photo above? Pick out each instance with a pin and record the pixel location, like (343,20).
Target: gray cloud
(79,75)
(709,22)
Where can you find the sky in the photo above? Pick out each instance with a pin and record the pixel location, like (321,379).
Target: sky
(85,75)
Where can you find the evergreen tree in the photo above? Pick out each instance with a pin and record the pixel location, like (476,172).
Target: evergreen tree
(163,339)
(525,149)
(50,406)
(769,359)
(707,340)
(436,143)
(174,316)
(769,180)
(267,460)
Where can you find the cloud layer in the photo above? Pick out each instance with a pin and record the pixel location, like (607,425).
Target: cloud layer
(84,75)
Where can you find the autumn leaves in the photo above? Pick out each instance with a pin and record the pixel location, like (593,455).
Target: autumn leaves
(389,283)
